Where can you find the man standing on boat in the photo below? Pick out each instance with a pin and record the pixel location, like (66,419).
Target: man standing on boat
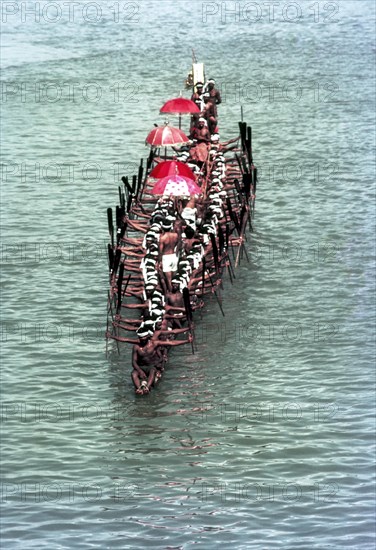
(197,96)
(214,95)
(209,113)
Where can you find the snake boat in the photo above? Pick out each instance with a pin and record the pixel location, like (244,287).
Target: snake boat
(203,206)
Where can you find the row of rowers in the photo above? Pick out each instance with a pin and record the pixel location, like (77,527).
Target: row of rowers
(206,97)
(175,239)
(202,148)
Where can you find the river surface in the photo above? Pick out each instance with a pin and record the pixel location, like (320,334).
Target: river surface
(264,438)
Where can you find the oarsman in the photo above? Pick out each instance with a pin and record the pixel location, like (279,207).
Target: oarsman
(193,248)
(197,96)
(150,237)
(201,133)
(163,331)
(169,243)
(189,212)
(215,96)
(146,360)
(175,305)
(209,114)
(201,139)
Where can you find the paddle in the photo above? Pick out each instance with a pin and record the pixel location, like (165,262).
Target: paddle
(116,261)
(243,133)
(110,256)
(121,197)
(254,180)
(233,217)
(215,252)
(222,249)
(128,188)
(129,203)
(134,185)
(126,284)
(139,178)
(253,198)
(243,223)
(247,182)
(118,217)
(119,288)
(120,233)
(150,160)
(221,240)
(228,255)
(237,186)
(203,274)
(215,293)
(245,167)
(239,162)
(110,225)
(249,140)
(188,313)
(227,234)
(120,224)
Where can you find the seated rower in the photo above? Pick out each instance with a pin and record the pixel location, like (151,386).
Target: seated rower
(201,140)
(175,304)
(169,243)
(189,212)
(164,331)
(146,360)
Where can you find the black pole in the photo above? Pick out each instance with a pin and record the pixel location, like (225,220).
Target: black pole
(215,252)
(139,178)
(119,287)
(188,313)
(116,261)
(110,252)
(249,140)
(110,225)
(215,293)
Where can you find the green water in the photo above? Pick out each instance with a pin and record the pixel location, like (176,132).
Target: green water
(264,438)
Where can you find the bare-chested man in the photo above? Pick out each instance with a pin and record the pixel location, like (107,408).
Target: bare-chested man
(168,253)
(197,96)
(210,114)
(189,211)
(146,360)
(215,96)
(175,305)
(201,134)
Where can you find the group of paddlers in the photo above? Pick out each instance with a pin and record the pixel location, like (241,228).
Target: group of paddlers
(207,98)
(180,252)
(204,125)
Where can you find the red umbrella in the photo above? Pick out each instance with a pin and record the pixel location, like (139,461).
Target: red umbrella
(166,136)
(171,168)
(180,106)
(177,186)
